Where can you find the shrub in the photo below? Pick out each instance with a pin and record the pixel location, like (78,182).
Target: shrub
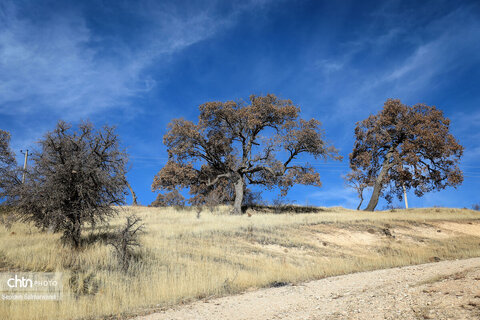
(126,240)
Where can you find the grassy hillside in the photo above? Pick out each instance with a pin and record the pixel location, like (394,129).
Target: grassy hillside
(184,258)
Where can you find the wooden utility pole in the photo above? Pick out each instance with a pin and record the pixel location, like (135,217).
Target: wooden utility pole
(24,164)
(405,196)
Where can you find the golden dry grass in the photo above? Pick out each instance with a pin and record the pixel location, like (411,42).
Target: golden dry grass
(185,258)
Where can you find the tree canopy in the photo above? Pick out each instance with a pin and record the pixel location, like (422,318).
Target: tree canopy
(8,165)
(76,177)
(405,146)
(235,144)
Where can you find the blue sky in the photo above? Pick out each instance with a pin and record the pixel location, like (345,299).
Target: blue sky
(137,65)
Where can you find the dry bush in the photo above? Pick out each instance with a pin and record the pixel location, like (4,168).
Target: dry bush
(7,220)
(126,240)
(82,284)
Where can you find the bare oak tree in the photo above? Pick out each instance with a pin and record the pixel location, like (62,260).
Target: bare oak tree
(358,182)
(76,177)
(235,144)
(409,147)
(8,166)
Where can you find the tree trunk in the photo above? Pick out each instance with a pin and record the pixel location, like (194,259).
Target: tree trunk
(377,188)
(361,201)
(76,234)
(134,196)
(239,189)
(405,195)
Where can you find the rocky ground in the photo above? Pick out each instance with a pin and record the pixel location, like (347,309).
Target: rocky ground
(439,290)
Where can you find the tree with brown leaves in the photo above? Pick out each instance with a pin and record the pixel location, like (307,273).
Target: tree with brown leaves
(77,177)
(169,199)
(235,144)
(405,146)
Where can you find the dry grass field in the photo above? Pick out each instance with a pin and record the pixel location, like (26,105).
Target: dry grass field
(184,258)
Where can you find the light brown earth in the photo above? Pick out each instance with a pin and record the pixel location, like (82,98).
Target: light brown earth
(440,290)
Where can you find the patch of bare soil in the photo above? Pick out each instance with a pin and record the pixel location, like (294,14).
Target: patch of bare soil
(442,290)
(472,229)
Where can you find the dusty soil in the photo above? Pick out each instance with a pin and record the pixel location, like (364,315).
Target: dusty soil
(440,290)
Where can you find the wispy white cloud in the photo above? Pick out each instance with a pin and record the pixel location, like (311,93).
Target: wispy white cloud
(441,55)
(430,55)
(470,161)
(329,65)
(469,122)
(59,66)
(51,67)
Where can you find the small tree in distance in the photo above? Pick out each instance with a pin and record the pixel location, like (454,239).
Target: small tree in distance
(76,177)
(405,147)
(358,182)
(235,144)
(169,199)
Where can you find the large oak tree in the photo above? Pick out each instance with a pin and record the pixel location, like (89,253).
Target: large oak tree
(235,144)
(405,147)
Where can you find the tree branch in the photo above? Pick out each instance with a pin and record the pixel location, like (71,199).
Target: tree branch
(223,175)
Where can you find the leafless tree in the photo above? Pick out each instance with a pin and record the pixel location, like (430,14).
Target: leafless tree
(76,177)
(409,147)
(358,182)
(235,144)
(127,239)
(8,166)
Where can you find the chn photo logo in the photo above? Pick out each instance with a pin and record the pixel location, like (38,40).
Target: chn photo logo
(17,282)
(31,285)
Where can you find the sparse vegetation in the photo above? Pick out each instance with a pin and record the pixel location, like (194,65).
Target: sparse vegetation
(185,258)
(126,239)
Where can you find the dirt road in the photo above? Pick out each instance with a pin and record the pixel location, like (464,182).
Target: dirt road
(439,290)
